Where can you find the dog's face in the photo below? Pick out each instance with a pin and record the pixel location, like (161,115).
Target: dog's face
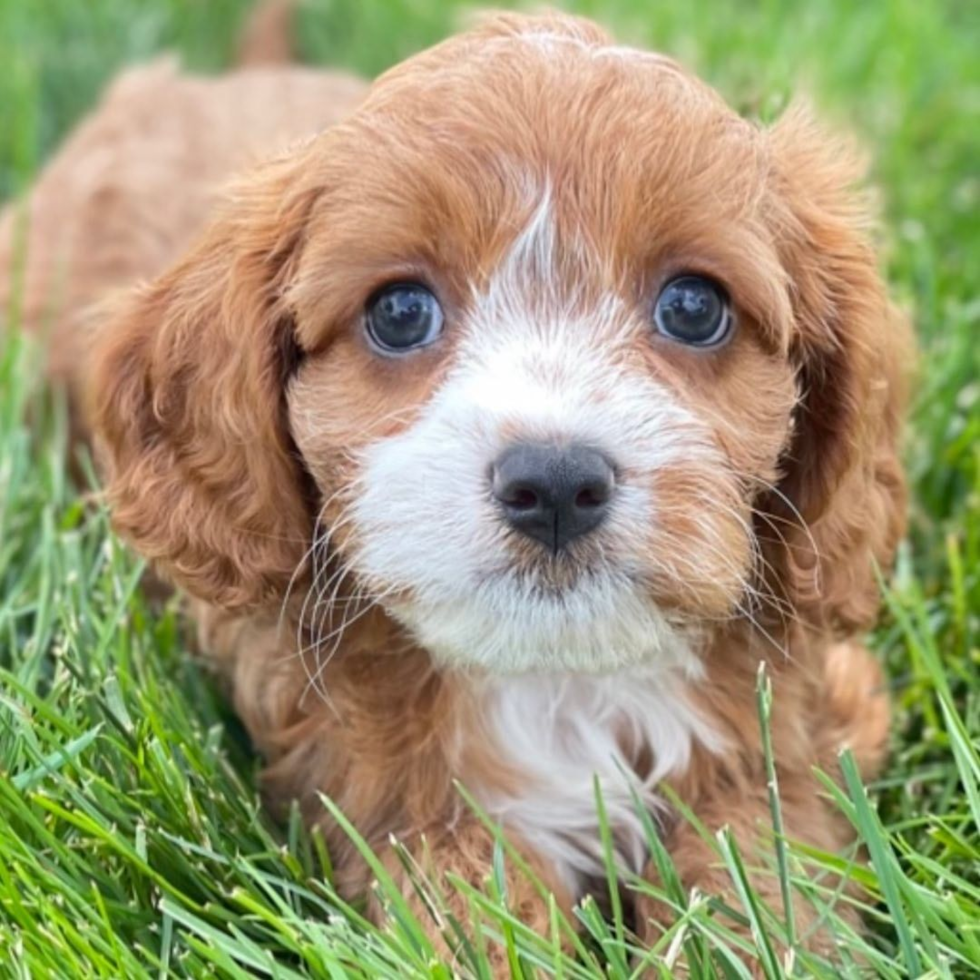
(553,314)
(547,366)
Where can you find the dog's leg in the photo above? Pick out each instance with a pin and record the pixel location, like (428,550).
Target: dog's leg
(747,817)
(435,870)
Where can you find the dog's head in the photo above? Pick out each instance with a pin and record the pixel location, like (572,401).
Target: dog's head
(563,360)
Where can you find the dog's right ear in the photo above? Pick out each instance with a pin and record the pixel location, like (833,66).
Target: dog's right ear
(186,400)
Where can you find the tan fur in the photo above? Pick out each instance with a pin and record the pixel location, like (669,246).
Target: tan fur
(136,181)
(268,35)
(205,384)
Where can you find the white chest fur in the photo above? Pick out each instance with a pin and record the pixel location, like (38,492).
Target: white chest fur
(560,732)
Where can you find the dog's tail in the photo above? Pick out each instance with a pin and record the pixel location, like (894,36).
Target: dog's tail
(858,704)
(267,37)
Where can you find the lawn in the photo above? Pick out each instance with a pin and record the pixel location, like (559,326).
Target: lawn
(132,842)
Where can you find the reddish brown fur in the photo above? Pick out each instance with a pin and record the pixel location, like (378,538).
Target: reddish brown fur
(215,471)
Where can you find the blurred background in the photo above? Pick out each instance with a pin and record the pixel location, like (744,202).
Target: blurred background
(109,733)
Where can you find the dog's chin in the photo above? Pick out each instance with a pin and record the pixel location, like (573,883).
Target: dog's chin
(501,628)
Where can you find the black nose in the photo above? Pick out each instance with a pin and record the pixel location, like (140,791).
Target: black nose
(551,493)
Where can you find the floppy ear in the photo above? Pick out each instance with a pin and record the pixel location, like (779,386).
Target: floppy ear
(852,348)
(187,403)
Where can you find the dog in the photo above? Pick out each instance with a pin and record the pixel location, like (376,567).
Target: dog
(497,434)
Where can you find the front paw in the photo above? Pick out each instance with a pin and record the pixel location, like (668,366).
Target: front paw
(435,876)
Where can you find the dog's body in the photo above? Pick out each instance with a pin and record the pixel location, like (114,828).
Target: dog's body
(385,630)
(135,183)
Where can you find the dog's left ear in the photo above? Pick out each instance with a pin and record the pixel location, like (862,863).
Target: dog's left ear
(187,401)
(852,349)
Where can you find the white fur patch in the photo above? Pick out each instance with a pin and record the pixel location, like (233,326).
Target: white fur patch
(561,731)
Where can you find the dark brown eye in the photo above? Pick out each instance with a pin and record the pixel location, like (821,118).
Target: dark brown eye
(403,316)
(693,310)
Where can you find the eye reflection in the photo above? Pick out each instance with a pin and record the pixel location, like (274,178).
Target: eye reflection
(693,310)
(404,316)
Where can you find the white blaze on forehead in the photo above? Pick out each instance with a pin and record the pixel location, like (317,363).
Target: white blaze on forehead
(536,353)
(535,362)
(533,251)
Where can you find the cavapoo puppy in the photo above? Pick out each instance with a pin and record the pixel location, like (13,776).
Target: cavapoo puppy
(498,432)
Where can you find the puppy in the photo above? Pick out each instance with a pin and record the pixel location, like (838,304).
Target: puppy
(500,432)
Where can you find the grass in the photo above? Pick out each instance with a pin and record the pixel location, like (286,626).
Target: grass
(132,843)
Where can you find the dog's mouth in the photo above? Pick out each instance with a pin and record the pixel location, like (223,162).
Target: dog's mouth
(543,574)
(560,615)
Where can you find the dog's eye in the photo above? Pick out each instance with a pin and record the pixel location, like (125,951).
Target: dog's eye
(693,310)
(403,316)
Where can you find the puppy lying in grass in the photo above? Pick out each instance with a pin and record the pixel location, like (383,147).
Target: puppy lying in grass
(498,432)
